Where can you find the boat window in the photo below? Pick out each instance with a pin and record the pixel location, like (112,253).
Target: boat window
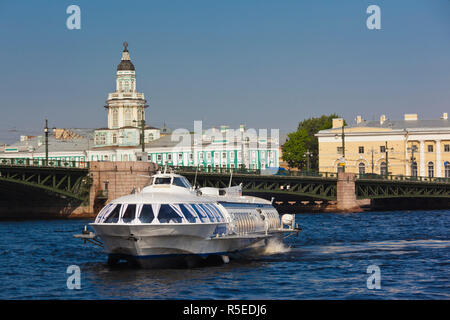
(103,212)
(211,216)
(168,215)
(216,212)
(147,214)
(200,213)
(129,214)
(114,215)
(189,216)
(160,180)
(181,182)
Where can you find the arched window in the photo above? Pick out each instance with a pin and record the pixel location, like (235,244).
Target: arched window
(115,122)
(127,117)
(414,169)
(383,168)
(431,169)
(362,168)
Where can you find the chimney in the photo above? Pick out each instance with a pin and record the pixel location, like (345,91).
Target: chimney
(411,116)
(338,123)
(444,116)
(382,119)
(359,119)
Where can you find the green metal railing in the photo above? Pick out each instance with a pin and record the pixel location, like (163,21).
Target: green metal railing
(51,163)
(242,170)
(392,177)
(310,173)
(214,170)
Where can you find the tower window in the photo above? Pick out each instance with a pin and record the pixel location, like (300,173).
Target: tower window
(115,122)
(127,117)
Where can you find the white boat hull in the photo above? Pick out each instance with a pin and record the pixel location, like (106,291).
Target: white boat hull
(170,244)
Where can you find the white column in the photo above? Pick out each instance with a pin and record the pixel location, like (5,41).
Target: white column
(438,159)
(422,158)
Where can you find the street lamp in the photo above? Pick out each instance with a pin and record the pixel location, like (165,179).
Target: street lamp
(46,141)
(142,124)
(341,165)
(386,150)
(413,149)
(308,154)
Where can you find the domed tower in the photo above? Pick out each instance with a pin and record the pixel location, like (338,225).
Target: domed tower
(126,111)
(126,106)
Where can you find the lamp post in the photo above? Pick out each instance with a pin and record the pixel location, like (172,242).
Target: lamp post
(387,157)
(308,164)
(46,141)
(341,165)
(413,149)
(372,151)
(142,136)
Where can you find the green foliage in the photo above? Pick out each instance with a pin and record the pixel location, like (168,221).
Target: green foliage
(294,149)
(304,139)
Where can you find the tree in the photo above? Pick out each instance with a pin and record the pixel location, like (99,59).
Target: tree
(304,140)
(294,149)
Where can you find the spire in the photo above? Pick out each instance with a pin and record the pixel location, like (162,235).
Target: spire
(125,64)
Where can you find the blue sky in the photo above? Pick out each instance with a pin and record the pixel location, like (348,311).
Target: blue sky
(268,64)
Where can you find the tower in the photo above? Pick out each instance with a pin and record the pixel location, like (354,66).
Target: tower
(126,113)
(126,106)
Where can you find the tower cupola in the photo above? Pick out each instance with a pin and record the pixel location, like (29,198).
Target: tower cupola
(125,64)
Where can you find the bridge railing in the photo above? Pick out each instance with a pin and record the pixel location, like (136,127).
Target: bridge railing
(268,171)
(51,163)
(215,170)
(392,177)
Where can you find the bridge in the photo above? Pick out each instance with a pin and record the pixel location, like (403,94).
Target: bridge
(93,184)
(61,178)
(321,188)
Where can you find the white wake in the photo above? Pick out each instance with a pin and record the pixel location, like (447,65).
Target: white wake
(275,246)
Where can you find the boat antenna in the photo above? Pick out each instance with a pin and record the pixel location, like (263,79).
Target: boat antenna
(231,178)
(195,178)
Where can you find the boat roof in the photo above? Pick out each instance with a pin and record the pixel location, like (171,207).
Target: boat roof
(177,198)
(170,193)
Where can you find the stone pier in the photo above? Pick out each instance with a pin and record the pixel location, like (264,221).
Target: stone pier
(111,180)
(346,195)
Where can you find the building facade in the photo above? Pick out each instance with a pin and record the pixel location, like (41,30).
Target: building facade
(410,147)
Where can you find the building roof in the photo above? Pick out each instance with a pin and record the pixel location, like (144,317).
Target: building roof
(397,125)
(125,65)
(37,144)
(405,124)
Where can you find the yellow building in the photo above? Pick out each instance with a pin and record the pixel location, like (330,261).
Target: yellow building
(410,147)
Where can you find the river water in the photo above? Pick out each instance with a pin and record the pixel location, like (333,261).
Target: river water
(328,260)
